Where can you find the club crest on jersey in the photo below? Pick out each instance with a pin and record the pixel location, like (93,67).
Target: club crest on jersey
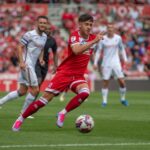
(82,41)
(73,39)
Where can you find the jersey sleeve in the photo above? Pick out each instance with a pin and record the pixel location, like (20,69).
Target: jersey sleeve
(25,39)
(73,39)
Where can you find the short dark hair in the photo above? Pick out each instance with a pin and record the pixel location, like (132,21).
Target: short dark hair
(43,17)
(85,17)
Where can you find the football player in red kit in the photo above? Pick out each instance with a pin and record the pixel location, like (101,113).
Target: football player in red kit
(70,73)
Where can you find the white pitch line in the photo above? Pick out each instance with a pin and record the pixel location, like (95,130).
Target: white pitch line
(76,145)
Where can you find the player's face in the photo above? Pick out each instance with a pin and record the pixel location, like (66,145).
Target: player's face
(86,27)
(47,30)
(110,29)
(42,24)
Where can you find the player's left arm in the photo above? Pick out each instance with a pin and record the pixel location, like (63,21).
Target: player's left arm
(99,48)
(41,58)
(122,51)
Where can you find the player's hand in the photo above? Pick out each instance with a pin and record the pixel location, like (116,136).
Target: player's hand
(95,67)
(54,69)
(42,62)
(22,66)
(99,37)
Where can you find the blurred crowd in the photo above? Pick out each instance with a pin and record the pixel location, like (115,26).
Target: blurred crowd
(133,27)
(78,1)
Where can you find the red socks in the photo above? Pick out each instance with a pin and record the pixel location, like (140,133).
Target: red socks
(34,107)
(76,101)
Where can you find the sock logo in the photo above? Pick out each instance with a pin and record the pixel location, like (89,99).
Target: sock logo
(35,106)
(80,100)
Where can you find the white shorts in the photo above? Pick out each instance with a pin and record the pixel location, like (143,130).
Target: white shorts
(28,77)
(107,72)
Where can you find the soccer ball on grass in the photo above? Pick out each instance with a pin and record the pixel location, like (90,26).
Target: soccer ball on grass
(84,123)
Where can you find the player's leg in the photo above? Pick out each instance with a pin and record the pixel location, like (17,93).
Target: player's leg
(34,88)
(53,89)
(14,94)
(122,86)
(104,92)
(32,108)
(122,91)
(31,96)
(106,73)
(83,92)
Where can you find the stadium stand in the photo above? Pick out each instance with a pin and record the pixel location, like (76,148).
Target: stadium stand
(131,19)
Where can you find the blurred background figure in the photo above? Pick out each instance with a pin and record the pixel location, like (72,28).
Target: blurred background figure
(131,19)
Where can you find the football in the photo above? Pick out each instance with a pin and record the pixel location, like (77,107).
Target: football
(84,123)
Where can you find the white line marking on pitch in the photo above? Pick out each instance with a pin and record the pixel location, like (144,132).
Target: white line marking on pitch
(75,145)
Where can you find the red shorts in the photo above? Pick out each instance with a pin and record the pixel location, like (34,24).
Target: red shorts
(61,82)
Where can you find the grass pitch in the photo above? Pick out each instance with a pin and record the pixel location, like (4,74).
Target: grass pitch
(116,127)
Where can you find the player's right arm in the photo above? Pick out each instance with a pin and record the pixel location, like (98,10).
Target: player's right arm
(80,48)
(20,56)
(24,41)
(97,54)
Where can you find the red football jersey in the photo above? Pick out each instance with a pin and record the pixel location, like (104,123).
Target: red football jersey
(76,64)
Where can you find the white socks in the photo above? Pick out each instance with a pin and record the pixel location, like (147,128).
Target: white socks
(28,100)
(104,95)
(122,93)
(8,97)
(63,111)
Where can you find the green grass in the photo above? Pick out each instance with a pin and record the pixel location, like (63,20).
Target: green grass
(114,124)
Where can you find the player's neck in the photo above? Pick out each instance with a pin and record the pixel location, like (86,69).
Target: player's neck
(39,32)
(83,35)
(111,35)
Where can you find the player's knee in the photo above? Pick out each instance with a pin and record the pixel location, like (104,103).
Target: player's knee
(84,92)
(22,92)
(35,91)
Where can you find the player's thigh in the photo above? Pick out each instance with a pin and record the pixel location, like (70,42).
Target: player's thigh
(31,77)
(22,89)
(106,73)
(58,84)
(118,72)
(28,77)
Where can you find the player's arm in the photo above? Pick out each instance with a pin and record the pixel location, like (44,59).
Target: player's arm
(80,48)
(20,49)
(122,51)
(41,58)
(24,41)
(97,54)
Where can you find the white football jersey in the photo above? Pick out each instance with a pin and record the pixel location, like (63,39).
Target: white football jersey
(111,48)
(34,43)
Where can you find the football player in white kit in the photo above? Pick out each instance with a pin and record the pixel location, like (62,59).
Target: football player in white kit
(112,47)
(30,49)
